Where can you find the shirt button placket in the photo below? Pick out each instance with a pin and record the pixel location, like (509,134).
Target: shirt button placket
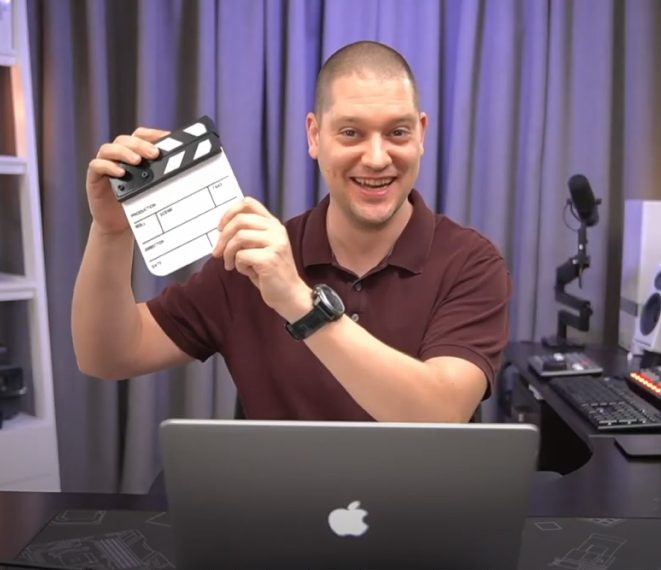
(357,286)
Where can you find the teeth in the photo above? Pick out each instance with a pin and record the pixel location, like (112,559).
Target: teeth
(372,183)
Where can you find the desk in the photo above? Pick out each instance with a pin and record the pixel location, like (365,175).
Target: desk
(22,515)
(561,542)
(599,479)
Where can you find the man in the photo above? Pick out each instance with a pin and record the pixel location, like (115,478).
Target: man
(426,299)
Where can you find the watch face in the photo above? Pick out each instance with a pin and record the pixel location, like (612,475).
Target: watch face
(330,299)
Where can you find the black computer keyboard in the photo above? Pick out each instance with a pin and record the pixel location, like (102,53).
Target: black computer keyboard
(608,403)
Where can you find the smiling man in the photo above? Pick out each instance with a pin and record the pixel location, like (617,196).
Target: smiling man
(367,307)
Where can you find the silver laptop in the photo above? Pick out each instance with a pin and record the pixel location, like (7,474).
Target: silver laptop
(344,495)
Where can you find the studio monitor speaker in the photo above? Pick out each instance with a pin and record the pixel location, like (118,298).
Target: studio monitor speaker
(648,324)
(641,256)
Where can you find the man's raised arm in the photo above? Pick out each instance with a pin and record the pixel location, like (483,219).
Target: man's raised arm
(114,337)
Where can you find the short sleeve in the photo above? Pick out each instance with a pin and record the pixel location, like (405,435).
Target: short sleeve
(193,314)
(470,320)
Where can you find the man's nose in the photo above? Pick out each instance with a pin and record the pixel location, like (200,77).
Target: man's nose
(376,155)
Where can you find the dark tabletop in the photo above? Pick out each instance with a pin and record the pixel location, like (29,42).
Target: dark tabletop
(22,514)
(600,479)
(603,482)
(65,529)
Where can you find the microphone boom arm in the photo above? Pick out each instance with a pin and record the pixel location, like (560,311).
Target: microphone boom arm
(566,273)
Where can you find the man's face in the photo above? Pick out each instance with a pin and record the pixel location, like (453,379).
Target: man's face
(368,143)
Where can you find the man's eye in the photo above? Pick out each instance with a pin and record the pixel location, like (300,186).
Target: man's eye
(400,132)
(351,133)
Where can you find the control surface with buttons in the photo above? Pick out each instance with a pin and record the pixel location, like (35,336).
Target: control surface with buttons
(564,364)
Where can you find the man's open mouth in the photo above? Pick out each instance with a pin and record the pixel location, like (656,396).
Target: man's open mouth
(373,183)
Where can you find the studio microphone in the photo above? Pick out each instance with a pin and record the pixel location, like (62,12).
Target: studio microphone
(583,199)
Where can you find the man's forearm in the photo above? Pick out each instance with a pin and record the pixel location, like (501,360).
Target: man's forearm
(104,317)
(390,385)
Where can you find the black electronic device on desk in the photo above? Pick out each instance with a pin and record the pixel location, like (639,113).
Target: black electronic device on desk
(608,403)
(564,364)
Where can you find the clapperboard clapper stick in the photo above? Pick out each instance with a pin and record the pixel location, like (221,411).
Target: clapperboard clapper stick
(174,203)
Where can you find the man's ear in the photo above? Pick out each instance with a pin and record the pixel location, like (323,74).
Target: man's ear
(424,122)
(312,129)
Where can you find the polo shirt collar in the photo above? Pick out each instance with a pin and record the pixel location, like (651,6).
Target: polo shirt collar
(411,248)
(316,249)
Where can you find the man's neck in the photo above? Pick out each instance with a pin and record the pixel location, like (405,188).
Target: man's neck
(361,248)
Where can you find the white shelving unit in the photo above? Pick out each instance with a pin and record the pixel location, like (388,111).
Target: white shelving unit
(28,440)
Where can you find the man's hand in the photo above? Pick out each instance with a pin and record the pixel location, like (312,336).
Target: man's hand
(107,212)
(256,244)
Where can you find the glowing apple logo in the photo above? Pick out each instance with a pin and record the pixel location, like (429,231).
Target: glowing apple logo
(349,521)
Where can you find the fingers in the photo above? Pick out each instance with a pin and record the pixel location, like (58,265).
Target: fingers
(250,261)
(150,135)
(99,167)
(118,152)
(241,221)
(130,149)
(249,226)
(246,214)
(242,240)
(257,207)
(127,149)
(247,205)
(136,145)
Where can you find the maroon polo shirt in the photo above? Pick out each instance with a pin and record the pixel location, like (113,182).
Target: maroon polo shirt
(442,291)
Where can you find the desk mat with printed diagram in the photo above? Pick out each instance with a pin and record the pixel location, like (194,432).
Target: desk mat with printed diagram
(123,540)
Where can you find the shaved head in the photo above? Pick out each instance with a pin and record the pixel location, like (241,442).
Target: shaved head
(361,58)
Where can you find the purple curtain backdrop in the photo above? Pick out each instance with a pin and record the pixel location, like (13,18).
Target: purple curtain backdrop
(521,94)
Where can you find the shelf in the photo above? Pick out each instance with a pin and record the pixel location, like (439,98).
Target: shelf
(21,422)
(35,471)
(16,287)
(7,59)
(11,165)
(28,443)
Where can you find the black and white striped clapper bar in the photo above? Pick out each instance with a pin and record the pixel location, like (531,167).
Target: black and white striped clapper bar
(174,203)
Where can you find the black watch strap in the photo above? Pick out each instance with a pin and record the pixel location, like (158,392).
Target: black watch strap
(327,307)
(307,325)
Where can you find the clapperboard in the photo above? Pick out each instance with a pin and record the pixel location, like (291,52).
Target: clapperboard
(174,203)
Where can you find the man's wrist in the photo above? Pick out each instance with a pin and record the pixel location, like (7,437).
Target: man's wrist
(298,304)
(98,231)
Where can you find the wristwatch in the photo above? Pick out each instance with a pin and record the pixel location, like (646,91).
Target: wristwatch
(328,307)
